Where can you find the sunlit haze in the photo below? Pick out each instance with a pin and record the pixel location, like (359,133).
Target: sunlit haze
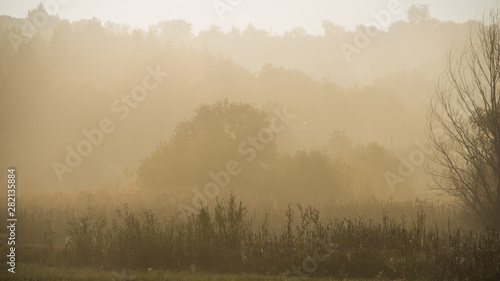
(276,16)
(239,140)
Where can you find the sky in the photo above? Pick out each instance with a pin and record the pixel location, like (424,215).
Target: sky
(275,16)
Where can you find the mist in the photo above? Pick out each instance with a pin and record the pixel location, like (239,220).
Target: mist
(177,119)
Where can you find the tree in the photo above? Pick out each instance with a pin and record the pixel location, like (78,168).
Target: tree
(339,143)
(307,174)
(174,31)
(296,32)
(464,124)
(332,30)
(418,13)
(205,143)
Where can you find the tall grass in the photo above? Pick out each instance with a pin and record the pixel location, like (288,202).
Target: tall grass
(226,237)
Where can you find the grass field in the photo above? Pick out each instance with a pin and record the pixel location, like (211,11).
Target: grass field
(93,238)
(45,273)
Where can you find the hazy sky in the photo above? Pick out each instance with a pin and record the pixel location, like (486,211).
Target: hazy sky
(272,15)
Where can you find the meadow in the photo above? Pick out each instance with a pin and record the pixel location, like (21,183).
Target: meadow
(45,273)
(308,152)
(67,236)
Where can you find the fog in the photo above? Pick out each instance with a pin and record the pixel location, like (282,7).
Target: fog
(214,146)
(66,77)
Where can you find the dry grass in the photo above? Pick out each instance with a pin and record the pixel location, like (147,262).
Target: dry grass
(117,229)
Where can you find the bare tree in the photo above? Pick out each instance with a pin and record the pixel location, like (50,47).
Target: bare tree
(464,123)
